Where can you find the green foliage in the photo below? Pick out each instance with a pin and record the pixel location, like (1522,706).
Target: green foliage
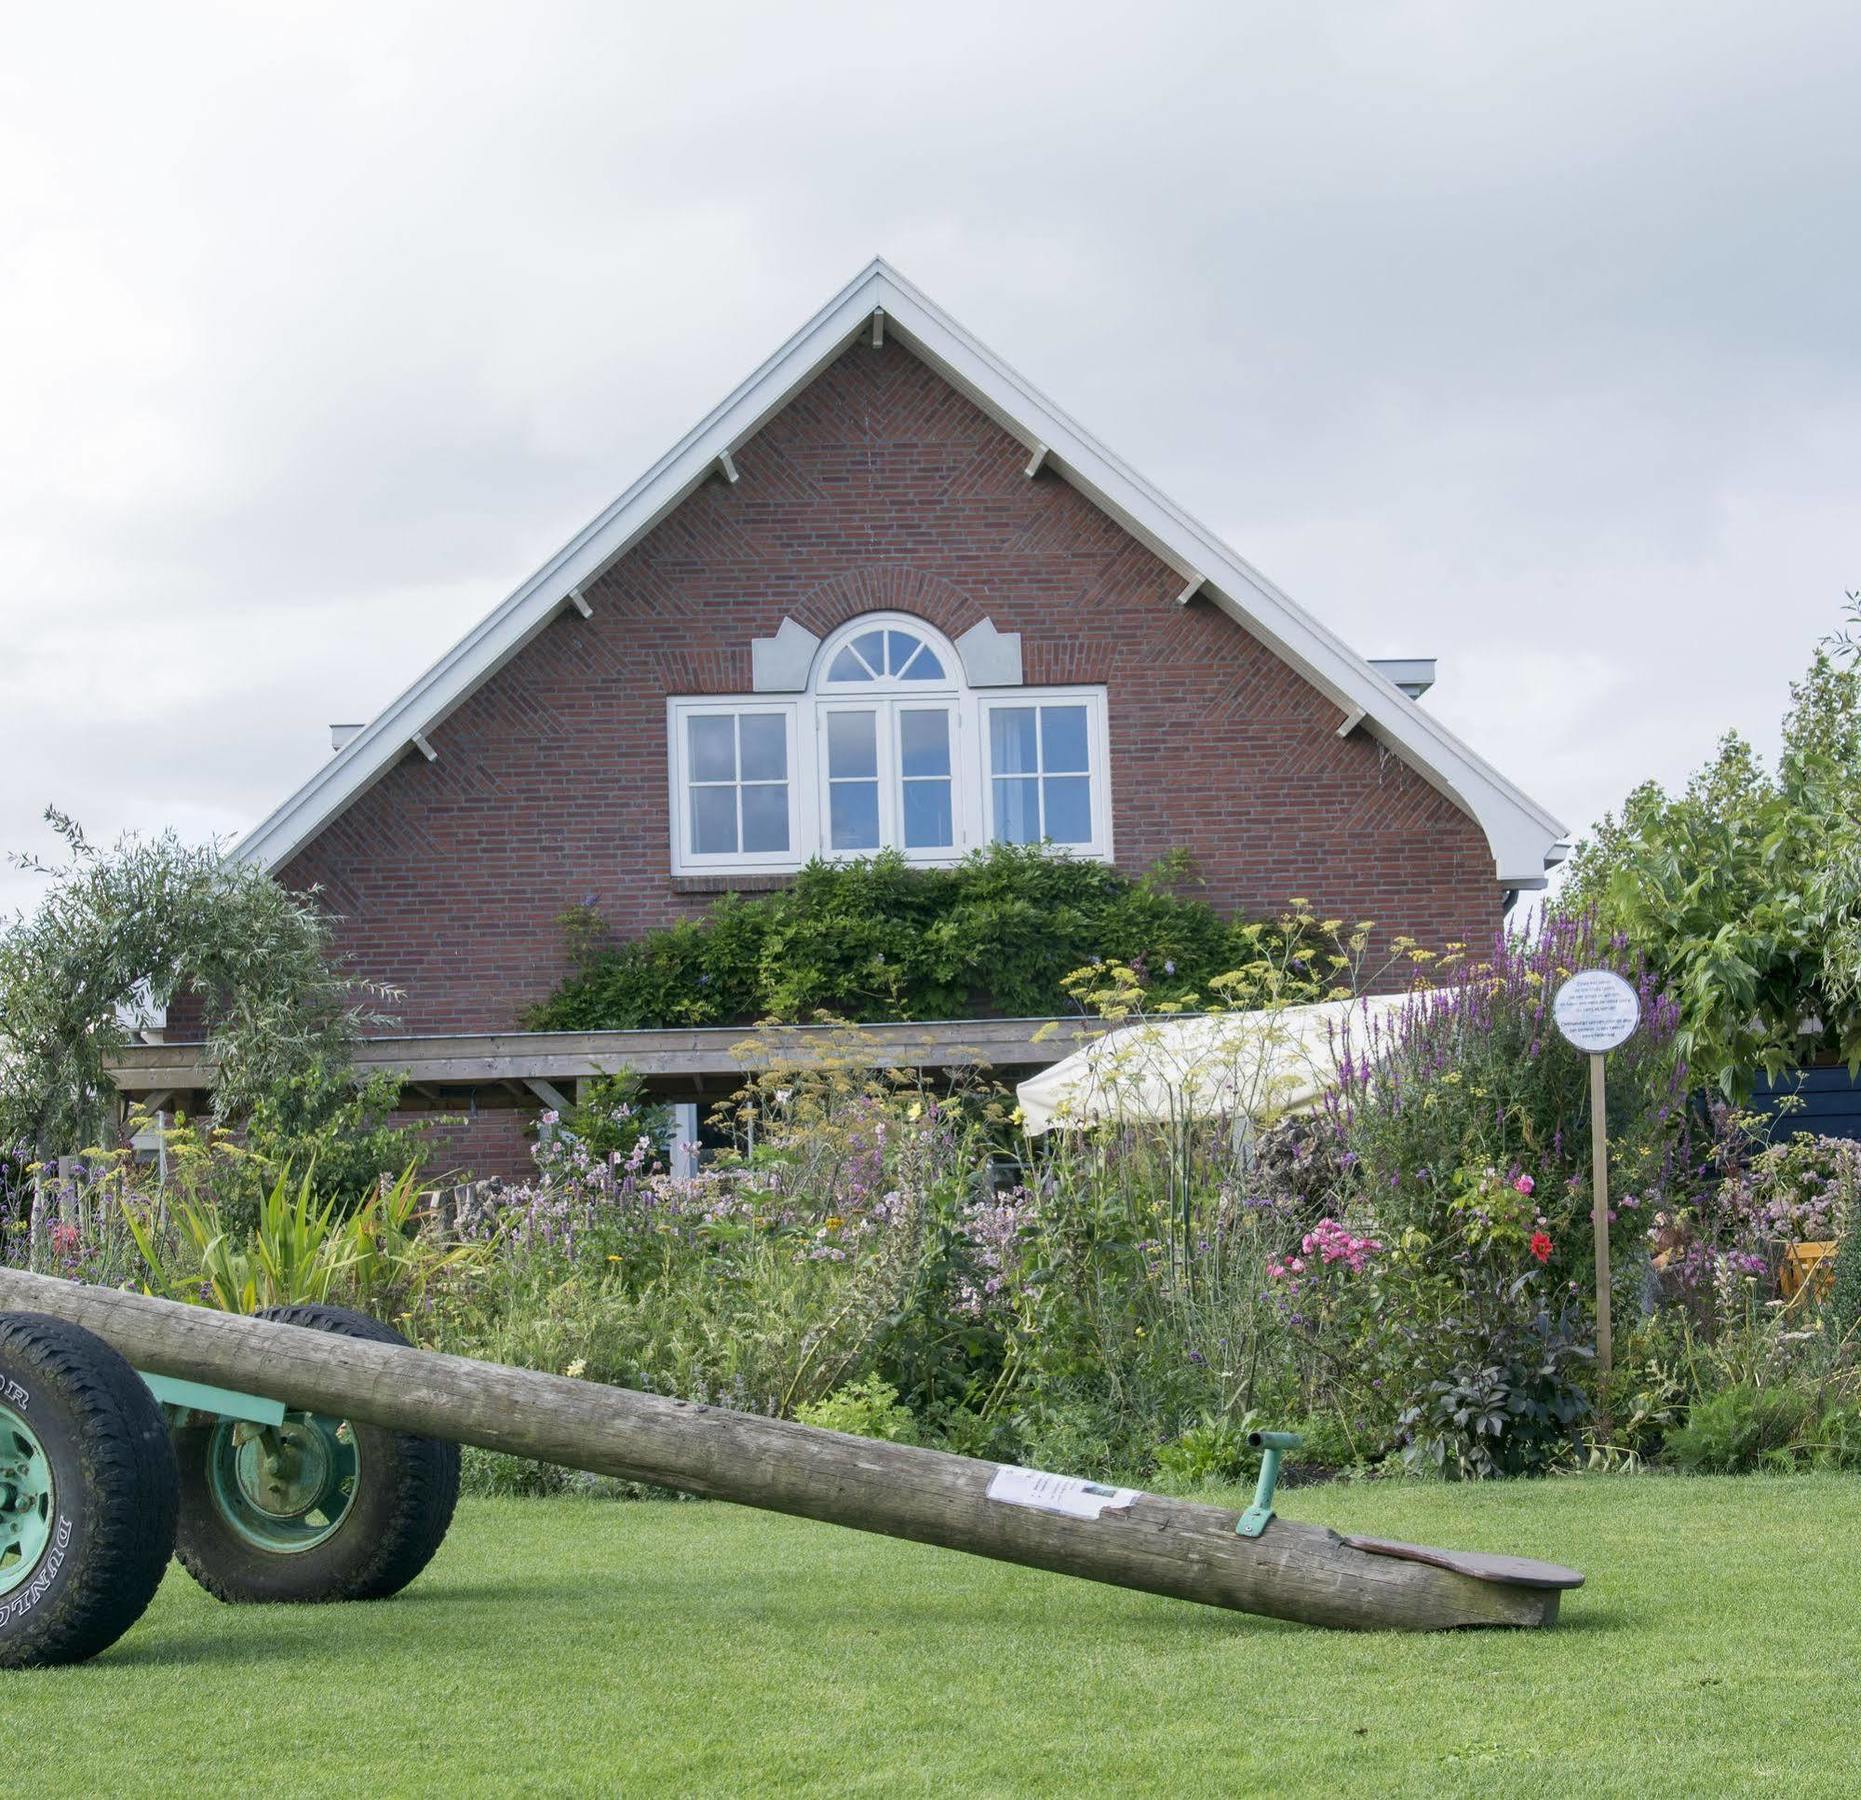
(1212,1450)
(1744,891)
(865,1408)
(318,1119)
(1513,1408)
(611,1116)
(1742,1429)
(157,920)
(299,1249)
(876,938)
(1470,1095)
(1844,1308)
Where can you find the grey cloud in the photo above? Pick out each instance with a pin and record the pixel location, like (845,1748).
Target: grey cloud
(1523,338)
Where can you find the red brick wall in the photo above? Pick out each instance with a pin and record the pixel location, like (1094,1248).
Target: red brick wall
(879,487)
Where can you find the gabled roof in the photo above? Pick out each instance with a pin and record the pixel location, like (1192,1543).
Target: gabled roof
(1525,839)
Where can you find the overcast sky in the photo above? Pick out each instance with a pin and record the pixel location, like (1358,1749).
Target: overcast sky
(1528,338)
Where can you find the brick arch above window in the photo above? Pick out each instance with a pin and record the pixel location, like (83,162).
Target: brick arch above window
(888,587)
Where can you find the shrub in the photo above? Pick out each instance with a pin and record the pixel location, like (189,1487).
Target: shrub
(1510,1403)
(155,921)
(316,1118)
(1215,1450)
(875,938)
(613,1122)
(865,1408)
(1473,1076)
(1744,1428)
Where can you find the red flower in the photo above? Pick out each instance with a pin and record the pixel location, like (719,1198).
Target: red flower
(1541,1246)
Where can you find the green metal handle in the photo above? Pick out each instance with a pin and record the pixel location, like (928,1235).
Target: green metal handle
(1271,1445)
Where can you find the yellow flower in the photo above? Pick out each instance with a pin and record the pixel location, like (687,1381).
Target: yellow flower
(613,1259)
(834,1221)
(577,1369)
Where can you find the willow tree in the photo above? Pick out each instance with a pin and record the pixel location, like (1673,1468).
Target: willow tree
(150,921)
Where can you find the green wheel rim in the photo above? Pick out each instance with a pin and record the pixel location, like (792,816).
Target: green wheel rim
(28,1500)
(285,1488)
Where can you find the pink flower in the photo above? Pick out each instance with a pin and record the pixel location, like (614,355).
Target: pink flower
(65,1239)
(1524,1184)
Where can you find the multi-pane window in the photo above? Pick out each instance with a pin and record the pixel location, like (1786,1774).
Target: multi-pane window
(888,749)
(736,784)
(889,777)
(1040,768)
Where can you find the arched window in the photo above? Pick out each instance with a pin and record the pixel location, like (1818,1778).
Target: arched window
(889,747)
(890,712)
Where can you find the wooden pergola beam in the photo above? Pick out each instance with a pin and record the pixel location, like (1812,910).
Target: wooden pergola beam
(689,1054)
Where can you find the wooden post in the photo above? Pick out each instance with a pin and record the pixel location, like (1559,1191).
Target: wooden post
(1599,1220)
(1597,1011)
(1164,1546)
(39,1237)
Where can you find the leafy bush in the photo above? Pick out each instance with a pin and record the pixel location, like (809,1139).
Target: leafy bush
(864,1408)
(875,938)
(1742,1429)
(1845,1295)
(1215,1450)
(316,1118)
(1473,1076)
(612,1119)
(1513,1407)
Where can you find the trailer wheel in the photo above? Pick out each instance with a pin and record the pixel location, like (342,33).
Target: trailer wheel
(318,1509)
(87,1493)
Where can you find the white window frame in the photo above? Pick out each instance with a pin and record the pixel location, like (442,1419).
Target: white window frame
(685,860)
(1098,756)
(972,789)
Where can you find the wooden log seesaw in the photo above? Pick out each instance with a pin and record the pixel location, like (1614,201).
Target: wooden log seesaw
(313,1455)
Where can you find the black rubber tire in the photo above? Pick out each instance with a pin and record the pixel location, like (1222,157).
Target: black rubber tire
(404,1500)
(114,1489)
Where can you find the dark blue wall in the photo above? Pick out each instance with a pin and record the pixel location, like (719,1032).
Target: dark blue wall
(1831,1102)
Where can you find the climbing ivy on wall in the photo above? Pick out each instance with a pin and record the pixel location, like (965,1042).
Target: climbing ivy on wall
(878,939)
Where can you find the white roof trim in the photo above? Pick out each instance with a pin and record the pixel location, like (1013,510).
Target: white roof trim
(1525,839)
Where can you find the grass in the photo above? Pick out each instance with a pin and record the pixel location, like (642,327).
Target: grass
(575,1646)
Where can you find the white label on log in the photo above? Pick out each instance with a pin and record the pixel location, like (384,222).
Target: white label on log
(1065,1494)
(1596,1010)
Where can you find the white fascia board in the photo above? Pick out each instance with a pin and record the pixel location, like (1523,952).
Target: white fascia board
(1525,839)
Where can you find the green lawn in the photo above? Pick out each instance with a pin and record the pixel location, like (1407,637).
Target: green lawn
(578,1646)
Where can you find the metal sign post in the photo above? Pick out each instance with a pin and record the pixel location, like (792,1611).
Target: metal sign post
(1597,1011)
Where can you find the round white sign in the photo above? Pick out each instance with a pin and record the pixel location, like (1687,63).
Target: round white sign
(1596,1010)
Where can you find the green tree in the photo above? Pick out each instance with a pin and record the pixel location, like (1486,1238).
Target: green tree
(153,920)
(1744,890)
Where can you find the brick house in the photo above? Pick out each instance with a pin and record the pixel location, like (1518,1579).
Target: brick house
(886,593)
